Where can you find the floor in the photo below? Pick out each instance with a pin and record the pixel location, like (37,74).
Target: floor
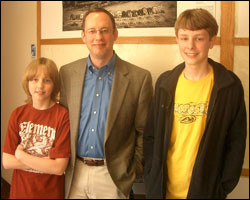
(5,189)
(241,191)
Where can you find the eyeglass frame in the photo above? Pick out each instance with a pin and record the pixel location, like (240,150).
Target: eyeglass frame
(102,31)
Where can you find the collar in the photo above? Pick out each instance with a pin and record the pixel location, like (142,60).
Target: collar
(108,68)
(222,77)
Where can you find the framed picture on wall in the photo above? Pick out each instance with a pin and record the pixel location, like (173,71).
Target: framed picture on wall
(149,22)
(133,18)
(127,14)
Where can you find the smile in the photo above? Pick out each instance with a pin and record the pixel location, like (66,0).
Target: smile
(39,92)
(191,54)
(99,45)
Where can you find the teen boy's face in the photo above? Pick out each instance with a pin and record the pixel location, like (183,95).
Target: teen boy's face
(194,46)
(41,87)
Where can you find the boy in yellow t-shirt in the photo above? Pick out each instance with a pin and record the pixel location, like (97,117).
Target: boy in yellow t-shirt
(194,141)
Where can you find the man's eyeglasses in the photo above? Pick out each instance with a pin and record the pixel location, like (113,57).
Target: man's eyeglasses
(103,31)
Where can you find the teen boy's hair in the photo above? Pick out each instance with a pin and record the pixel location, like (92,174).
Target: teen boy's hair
(47,66)
(196,19)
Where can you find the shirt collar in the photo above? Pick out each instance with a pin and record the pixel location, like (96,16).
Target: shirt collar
(108,68)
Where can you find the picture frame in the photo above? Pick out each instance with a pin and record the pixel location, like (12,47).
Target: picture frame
(51,27)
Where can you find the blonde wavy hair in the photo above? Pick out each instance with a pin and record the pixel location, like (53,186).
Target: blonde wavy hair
(49,67)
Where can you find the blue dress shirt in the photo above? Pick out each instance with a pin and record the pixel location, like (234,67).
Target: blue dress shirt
(94,107)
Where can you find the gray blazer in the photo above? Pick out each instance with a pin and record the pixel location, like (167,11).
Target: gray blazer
(130,100)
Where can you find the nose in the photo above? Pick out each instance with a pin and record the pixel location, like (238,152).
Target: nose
(98,35)
(191,44)
(40,84)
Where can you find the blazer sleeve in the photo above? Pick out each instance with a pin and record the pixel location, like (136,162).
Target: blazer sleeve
(144,103)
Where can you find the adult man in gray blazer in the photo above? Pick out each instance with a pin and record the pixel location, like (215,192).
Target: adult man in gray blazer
(108,101)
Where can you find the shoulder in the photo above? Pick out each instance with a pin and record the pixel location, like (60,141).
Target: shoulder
(171,75)
(60,108)
(132,68)
(59,113)
(21,109)
(74,64)
(223,76)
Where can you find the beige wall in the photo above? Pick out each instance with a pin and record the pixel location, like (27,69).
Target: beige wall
(241,68)
(156,58)
(18,32)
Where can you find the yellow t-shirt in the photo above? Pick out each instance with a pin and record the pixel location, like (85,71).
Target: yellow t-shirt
(190,113)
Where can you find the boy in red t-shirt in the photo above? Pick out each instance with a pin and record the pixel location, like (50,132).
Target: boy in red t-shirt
(37,143)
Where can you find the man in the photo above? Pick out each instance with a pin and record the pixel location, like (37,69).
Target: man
(108,101)
(194,141)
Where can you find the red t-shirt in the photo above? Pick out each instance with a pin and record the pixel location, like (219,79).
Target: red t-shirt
(42,133)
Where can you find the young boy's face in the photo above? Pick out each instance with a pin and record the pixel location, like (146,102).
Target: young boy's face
(41,87)
(194,46)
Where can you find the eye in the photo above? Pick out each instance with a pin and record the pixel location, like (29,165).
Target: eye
(199,39)
(34,79)
(104,31)
(184,38)
(91,31)
(47,80)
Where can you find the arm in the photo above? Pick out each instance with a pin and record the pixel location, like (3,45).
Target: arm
(10,162)
(148,141)
(63,99)
(50,166)
(149,132)
(235,143)
(145,98)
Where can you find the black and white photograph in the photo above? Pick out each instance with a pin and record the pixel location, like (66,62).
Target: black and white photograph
(127,14)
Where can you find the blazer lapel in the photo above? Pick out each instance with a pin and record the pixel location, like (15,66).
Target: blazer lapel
(119,88)
(76,96)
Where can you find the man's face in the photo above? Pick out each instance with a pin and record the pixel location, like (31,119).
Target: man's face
(194,45)
(99,35)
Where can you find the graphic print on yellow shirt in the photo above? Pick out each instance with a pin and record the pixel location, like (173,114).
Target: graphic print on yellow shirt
(190,112)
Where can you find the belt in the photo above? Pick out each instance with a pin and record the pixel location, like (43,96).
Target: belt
(91,162)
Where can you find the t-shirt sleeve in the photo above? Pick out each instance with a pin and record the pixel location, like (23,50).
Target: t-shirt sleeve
(61,146)
(12,138)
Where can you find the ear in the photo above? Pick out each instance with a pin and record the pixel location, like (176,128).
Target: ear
(212,42)
(115,34)
(176,38)
(83,37)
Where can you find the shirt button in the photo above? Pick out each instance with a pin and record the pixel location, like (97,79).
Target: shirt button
(92,130)
(97,95)
(94,112)
(91,147)
(100,78)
